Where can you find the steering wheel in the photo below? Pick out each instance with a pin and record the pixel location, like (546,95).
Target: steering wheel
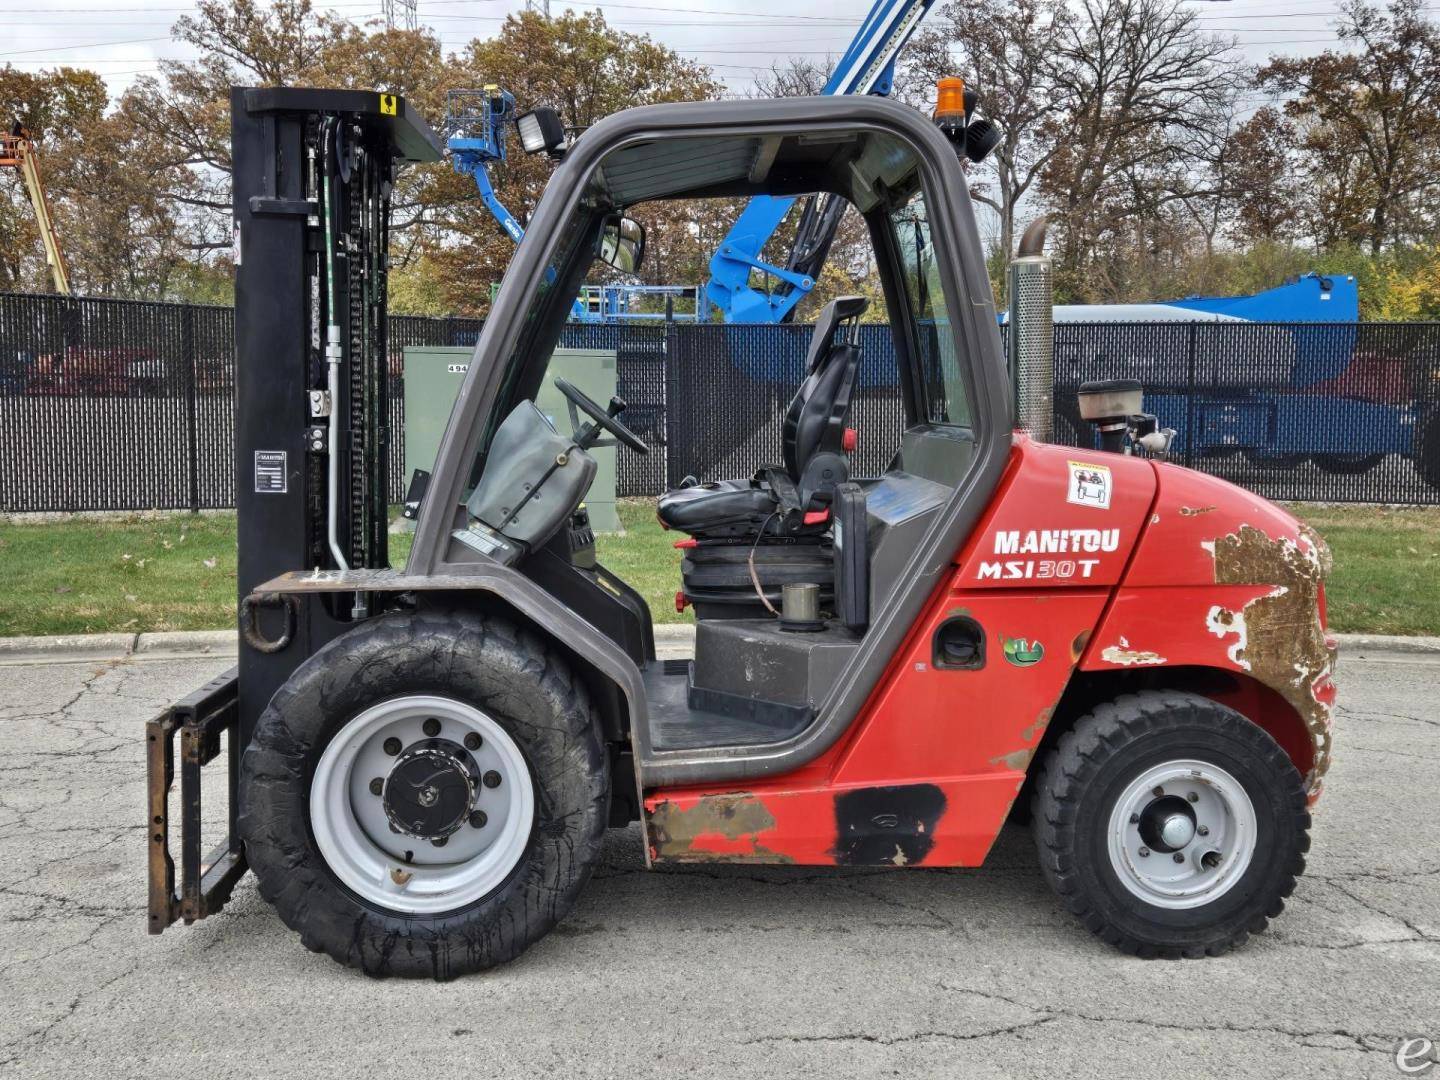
(602,416)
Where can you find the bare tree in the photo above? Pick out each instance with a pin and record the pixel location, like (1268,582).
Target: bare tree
(798,76)
(1147,96)
(1005,51)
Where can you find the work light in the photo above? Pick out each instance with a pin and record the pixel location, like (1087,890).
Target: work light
(540,129)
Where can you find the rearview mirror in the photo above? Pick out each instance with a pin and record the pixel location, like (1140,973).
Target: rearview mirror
(622,243)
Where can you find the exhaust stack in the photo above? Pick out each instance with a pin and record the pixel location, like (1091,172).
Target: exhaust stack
(1031,342)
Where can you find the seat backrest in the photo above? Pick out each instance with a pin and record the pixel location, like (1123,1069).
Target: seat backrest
(815,420)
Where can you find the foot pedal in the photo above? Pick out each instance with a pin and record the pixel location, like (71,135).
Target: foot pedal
(206,883)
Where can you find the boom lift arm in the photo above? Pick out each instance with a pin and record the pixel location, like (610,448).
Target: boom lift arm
(476,124)
(867,67)
(17,150)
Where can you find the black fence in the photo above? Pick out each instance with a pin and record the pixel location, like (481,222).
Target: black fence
(124,405)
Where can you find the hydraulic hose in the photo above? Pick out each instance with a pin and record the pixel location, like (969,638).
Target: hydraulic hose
(333,353)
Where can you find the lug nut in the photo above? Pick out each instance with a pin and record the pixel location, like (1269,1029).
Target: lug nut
(472,741)
(1144,853)
(440,841)
(392,746)
(431,727)
(492,779)
(377,786)
(1158,792)
(1134,819)
(1203,830)
(1179,856)
(478,819)
(1193,797)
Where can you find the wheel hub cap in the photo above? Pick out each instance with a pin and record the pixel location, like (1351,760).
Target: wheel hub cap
(401,812)
(1167,824)
(1176,831)
(430,791)
(1181,834)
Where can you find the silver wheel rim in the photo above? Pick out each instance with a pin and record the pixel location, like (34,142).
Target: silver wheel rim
(362,848)
(1182,834)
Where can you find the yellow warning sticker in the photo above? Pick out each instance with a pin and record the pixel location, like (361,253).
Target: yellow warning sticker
(388,104)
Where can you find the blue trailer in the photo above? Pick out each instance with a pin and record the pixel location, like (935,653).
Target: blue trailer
(1301,381)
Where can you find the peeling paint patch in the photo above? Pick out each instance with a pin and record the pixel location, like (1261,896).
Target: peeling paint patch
(1019,760)
(1278,637)
(1123,655)
(1041,723)
(1196,511)
(1222,622)
(737,817)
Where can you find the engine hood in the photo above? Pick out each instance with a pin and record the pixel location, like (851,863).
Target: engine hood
(1204,530)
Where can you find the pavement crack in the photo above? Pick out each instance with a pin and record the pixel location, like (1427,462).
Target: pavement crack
(896,1040)
(1368,1042)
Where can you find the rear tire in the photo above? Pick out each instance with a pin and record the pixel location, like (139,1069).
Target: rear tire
(1266,459)
(1156,775)
(1347,464)
(522,743)
(1427,448)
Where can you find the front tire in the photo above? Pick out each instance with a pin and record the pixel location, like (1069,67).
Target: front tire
(426,795)
(1171,825)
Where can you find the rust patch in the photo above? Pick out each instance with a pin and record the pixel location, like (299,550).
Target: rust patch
(1123,655)
(737,816)
(1196,511)
(1077,647)
(1277,636)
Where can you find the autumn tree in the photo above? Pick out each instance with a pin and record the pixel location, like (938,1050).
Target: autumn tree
(181,118)
(586,69)
(1265,195)
(1368,121)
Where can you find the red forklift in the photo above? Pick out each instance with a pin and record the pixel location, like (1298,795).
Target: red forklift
(423,759)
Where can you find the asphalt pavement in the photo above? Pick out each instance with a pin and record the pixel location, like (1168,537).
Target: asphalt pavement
(709,972)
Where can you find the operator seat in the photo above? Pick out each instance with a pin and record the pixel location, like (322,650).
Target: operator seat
(778,499)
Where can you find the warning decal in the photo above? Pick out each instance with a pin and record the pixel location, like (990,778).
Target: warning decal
(1089,485)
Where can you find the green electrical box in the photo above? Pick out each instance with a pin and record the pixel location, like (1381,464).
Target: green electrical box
(432,379)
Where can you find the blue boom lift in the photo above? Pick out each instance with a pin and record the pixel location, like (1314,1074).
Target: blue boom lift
(477,123)
(867,67)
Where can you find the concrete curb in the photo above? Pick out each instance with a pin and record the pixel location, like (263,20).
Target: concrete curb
(1361,644)
(181,644)
(26,650)
(187,643)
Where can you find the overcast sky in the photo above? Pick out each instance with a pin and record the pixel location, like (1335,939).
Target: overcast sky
(123,38)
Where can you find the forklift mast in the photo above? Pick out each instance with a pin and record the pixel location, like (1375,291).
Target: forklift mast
(314,171)
(313,175)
